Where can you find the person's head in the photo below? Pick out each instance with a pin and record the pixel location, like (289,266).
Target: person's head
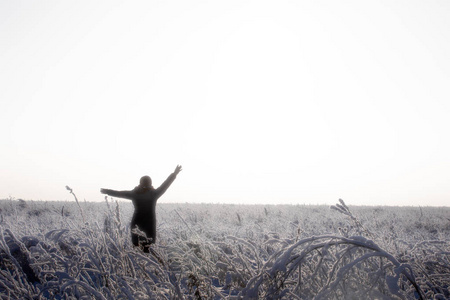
(145,182)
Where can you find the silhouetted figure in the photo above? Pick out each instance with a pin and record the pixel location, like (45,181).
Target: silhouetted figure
(144,198)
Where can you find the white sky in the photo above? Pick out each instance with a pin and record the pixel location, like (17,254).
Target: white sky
(260,101)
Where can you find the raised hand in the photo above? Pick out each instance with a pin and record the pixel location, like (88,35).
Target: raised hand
(177,170)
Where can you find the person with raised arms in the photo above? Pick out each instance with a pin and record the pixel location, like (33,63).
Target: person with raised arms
(144,197)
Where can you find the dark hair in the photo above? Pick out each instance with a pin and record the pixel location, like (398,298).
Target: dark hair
(145,181)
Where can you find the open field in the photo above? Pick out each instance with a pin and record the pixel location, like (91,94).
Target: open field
(61,250)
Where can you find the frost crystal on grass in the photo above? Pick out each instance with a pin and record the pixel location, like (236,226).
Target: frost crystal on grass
(224,252)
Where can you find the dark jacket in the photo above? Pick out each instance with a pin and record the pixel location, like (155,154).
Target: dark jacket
(144,202)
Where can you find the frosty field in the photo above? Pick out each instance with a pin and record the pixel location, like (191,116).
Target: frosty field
(61,250)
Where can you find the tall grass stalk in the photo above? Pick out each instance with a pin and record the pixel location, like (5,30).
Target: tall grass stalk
(78,203)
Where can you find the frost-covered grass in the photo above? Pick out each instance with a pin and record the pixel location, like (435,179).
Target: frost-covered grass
(71,250)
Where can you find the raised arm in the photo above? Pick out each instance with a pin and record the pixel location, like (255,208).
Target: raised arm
(163,188)
(118,194)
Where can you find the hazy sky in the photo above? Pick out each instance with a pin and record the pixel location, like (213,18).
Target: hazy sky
(260,101)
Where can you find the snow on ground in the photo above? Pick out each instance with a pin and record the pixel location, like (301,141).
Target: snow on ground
(59,250)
